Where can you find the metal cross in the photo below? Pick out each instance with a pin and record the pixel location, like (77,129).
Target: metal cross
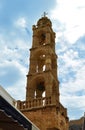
(44,14)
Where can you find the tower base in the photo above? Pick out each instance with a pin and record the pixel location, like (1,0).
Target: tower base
(45,116)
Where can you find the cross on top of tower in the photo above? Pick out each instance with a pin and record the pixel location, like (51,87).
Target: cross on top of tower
(44,14)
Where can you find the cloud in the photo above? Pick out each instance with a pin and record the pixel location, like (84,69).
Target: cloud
(18,50)
(70,48)
(13,78)
(21,22)
(72,80)
(68,13)
(75,105)
(14,65)
(10,73)
(76,84)
(81,43)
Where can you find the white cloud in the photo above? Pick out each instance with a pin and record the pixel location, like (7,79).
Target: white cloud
(75,105)
(72,80)
(14,50)
(13,78)
(72,93)
(68,20)
(70,58)
(71,15)
(21,22)
(13,63)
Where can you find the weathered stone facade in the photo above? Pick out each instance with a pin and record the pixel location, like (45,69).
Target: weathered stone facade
(42,105)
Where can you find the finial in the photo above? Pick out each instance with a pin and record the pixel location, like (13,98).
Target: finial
(44,14)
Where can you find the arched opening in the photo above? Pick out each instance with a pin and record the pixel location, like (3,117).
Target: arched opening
(44,94)
(42,38)
(37,87)
(40,88)
(40,62)
(44,67)
(35,95)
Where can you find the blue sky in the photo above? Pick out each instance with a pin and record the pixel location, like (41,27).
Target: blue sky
(67,16)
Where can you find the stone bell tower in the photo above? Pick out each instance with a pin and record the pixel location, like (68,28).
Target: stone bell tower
(42,105)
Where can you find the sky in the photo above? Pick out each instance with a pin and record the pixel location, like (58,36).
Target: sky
(68,22)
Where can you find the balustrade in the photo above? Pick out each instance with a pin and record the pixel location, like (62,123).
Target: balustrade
(40,102)
(34,103)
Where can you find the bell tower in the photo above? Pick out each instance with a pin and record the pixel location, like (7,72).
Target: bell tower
(42,77)
(42,105)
